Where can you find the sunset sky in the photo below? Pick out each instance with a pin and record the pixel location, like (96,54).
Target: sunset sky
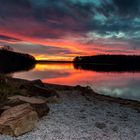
(63,29)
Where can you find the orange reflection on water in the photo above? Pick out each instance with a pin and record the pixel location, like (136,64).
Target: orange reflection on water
(54,66)
(66,73)
(74,77)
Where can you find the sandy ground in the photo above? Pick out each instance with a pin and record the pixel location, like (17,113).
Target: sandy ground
(76,118)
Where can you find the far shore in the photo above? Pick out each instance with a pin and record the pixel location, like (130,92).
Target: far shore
(53,61)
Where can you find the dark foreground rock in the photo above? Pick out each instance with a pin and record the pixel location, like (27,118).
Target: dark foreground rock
(39,105)
(20,114)
(31,100)
(32,89)
(18,120)
(26,101)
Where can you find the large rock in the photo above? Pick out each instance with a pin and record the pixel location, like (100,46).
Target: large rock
(18,120)
(30,89)
(39,105)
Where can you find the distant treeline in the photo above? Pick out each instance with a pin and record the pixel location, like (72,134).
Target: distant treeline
(53,61)
(13,61)
(108,63)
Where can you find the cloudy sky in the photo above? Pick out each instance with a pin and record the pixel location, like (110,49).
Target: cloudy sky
(62,29)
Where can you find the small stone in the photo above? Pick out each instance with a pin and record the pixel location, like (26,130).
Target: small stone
(53,99)
(115,129)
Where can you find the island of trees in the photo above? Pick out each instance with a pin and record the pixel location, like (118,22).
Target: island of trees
(11,61)
(108,62)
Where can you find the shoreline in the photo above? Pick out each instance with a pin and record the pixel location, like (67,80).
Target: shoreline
(88,93)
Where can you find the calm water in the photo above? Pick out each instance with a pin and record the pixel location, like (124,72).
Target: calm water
(124,84)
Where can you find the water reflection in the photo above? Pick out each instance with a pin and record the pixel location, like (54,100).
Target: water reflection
(124,84)
(7,68)
(108,67)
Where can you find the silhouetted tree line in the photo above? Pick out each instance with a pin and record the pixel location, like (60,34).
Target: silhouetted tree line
(108,63)
(13,61)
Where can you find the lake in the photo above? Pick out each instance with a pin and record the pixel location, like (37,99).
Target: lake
(117,84)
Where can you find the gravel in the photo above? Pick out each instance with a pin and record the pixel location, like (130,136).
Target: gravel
(76,118)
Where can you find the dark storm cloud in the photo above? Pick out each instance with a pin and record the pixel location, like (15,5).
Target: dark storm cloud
(128,7)
(64,16)
(55,19)
(45,10)
(14,8)
(124,8)
(72,16)
(119,14)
